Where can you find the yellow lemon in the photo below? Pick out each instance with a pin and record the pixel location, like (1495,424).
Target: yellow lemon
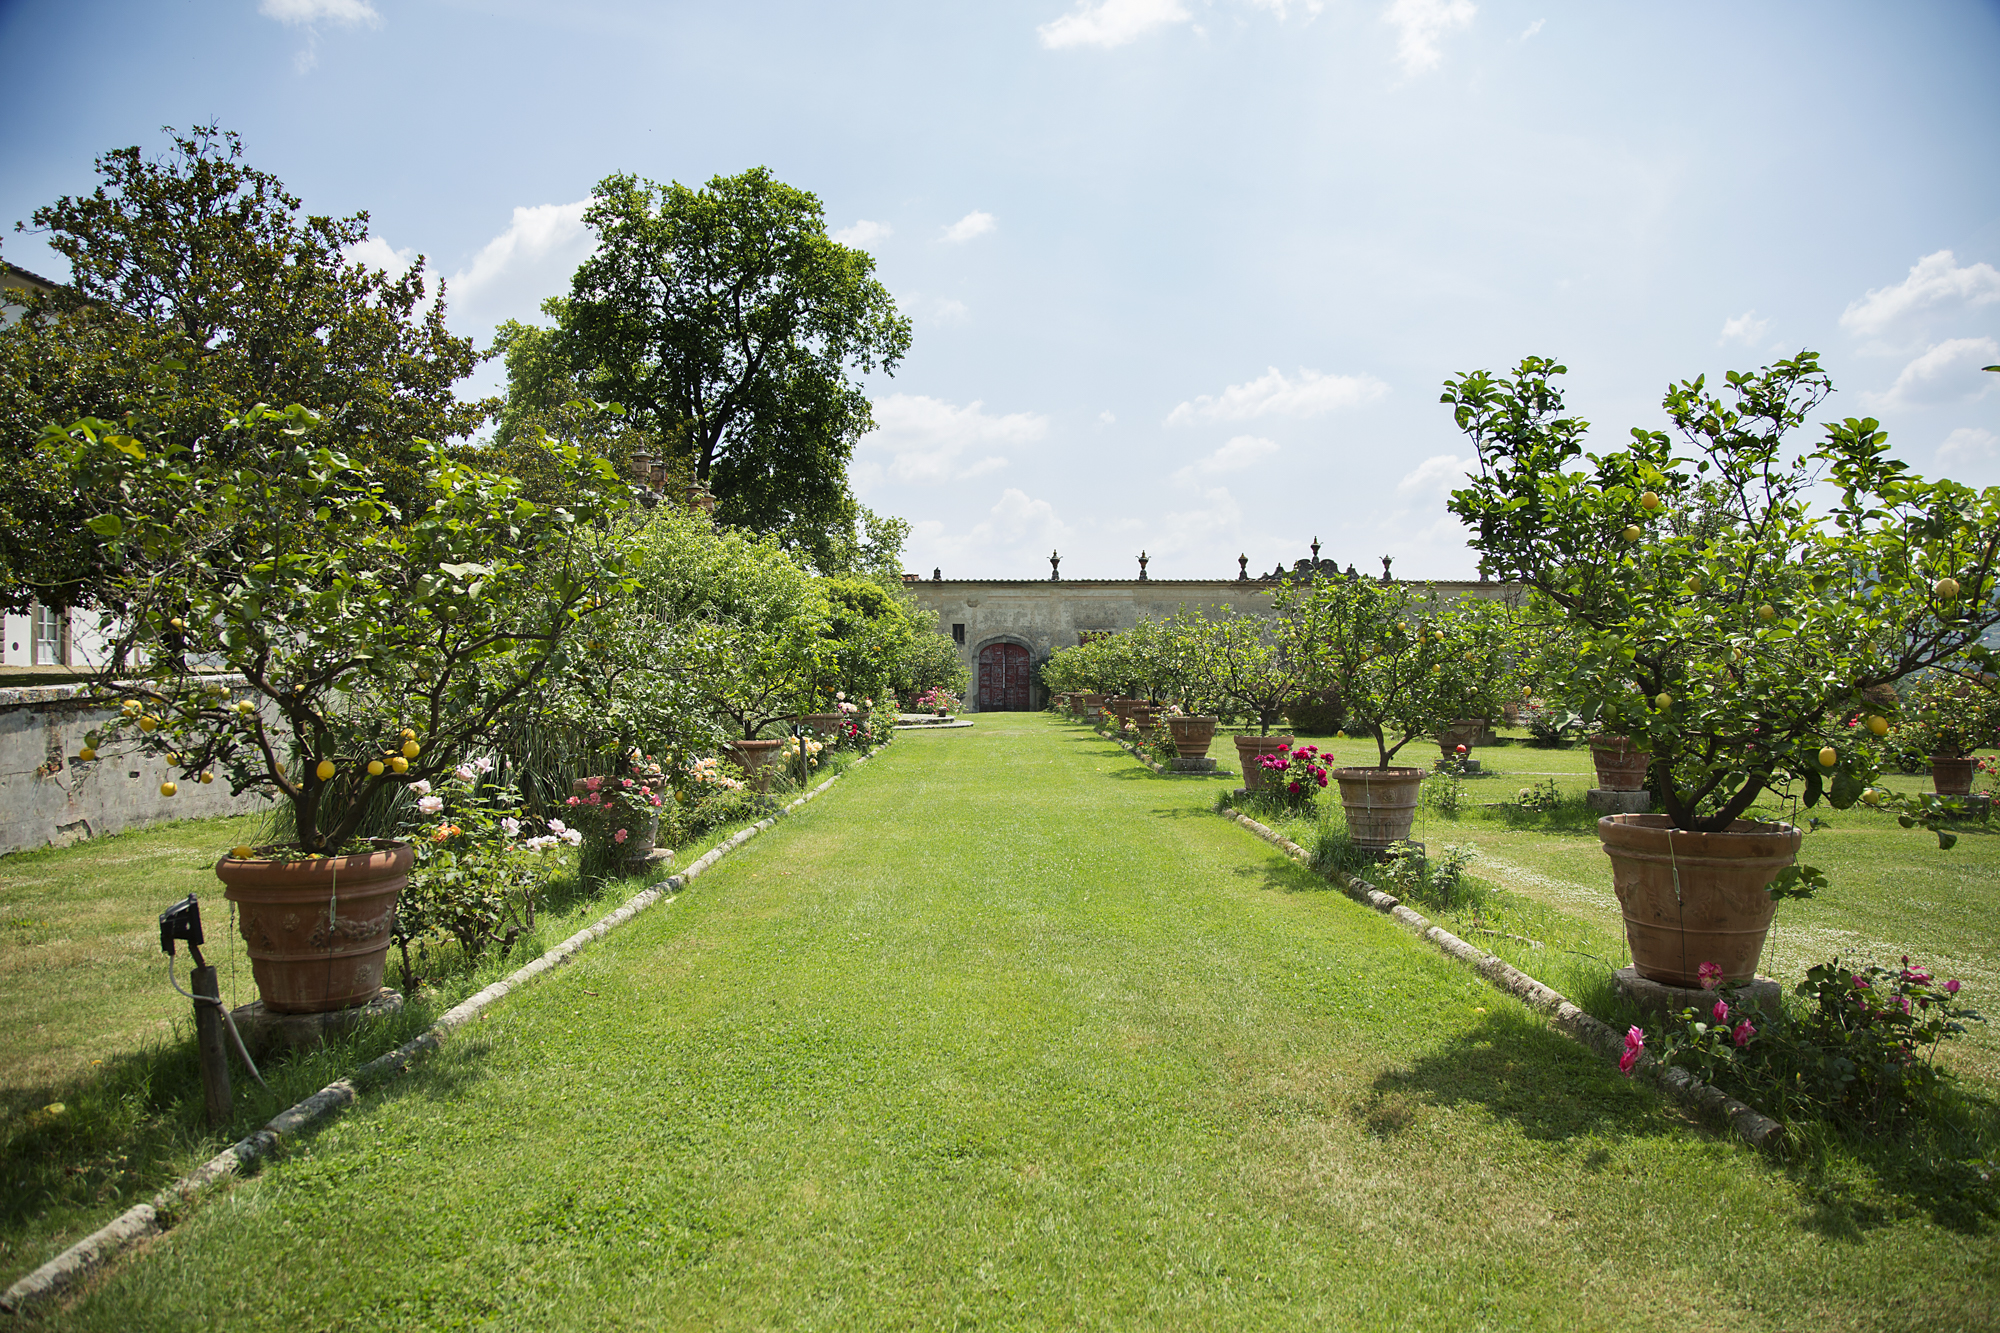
(1767,612)
(1872,796)
(168,789)
(1649,500)
(1694,583)
(1879,725)
(1663,699)
(207,778)
(325,770)
(1828,757)
(374,768)
(240,853)
(245,706)
(149,723)
(411,750)
(86,754)
(1633,532)
(1946,588)
(178,623)
(399,765)
(409,735)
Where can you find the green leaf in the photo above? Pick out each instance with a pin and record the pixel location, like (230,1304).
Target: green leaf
(106,525)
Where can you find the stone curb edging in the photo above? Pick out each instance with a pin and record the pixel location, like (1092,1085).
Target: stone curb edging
(144,1220)
(1746,1122)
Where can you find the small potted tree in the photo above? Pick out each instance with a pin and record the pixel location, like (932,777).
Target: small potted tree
(1260,665)
(1729,624)
(1402,660)
(370,649)
(1945,716)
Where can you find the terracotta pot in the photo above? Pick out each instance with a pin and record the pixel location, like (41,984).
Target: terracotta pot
(1621,765)
(1249,749)
(1192,736)
(754,758)
(1381,804)
(822,725)
(317,930)
(1694,898)
(1952,774)
(1465,731)
(1148,718)
(1091,703)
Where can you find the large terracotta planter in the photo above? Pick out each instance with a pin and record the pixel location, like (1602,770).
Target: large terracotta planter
(1148,719)
(1465,731)
(317,930)
(1381,804)
(1694,898)
(1192,736)
(754,758)
(822,725)
(1091,703)
(1621,765)
(1249,749)
(1952,775)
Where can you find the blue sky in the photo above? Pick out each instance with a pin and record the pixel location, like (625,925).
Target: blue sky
(1185,275)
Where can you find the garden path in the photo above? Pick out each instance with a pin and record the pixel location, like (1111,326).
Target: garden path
(1005,1031)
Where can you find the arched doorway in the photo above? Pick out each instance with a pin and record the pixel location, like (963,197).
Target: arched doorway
(1003,678)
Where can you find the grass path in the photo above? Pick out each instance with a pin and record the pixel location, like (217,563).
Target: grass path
(1005,1032)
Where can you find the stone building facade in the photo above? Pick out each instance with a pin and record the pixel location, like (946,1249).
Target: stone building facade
(1023,621)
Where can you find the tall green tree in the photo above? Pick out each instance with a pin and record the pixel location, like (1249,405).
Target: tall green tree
(730,325)
(198,289)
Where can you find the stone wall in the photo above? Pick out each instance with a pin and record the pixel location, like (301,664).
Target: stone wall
(46,796)
(1045,615)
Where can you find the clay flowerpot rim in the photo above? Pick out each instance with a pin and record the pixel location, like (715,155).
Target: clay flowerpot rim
(1364,771)
(382,852)
(1694,842)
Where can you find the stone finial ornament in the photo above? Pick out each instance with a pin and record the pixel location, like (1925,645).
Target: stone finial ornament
(1142,566)
(937,574)
(1243,568)
(1055,567)
(1385,567)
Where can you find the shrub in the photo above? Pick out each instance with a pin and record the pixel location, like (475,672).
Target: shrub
(1317,714)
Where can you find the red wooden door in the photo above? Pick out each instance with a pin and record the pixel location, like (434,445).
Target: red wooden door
(1003,678)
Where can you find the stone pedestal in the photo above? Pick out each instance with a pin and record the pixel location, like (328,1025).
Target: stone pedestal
(657,859)
(1663,1002)
(1608,802)
(1201,765)
(266,1033)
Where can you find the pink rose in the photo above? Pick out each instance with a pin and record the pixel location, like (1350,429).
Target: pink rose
(1710,974)
(1721,1011)
(1635,1042)
(1744,1032)
(1951,987)
(571,801)
(625,781)
(619,836)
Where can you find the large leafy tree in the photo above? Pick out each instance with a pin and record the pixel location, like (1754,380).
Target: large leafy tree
(729,324)
(198,289)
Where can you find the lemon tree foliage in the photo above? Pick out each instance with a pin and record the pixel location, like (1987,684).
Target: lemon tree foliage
(1716,615)
(380,643)
(727,323)
(198,289)
(1405,661)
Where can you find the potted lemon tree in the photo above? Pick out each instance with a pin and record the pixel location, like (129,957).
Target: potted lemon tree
(1728,622)
(364,648)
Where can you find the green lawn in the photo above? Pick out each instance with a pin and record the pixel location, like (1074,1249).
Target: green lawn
(1004,1031)
(93,1027)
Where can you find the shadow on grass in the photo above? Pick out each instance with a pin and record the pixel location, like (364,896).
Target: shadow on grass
(1520,1071)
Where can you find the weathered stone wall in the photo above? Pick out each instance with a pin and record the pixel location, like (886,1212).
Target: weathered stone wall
(1045,615)
(46,796)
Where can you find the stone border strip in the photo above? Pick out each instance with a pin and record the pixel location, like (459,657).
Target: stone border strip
(1749,1124)
(145,1220)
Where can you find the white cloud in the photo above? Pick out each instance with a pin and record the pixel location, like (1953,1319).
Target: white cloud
(1274,395)
(1419,24)
(1435,475)
(863,232)
(1946,373)
(1969,446)
(1017,534)
(517,270)
(1531,30)
(1745,328)
(969,226)
(946,311)
(1106,416)
(928,437)
(1935,279)
(1110,23)
(301,12)
(378,253)
(1239,453)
